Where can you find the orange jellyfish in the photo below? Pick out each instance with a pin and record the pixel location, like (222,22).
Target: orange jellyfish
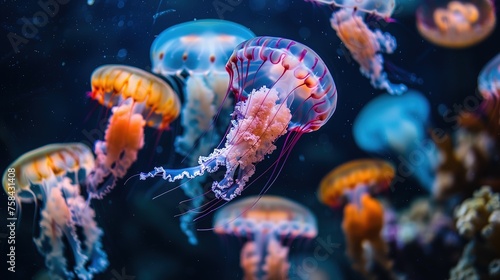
(137,98)
(349,180)
(363,215)
(51,174)
(456,24)
(366,46)
(265,221)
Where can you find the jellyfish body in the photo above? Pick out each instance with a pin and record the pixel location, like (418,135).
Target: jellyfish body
(396,124)
(363,44)
(489,79)
(264,221)
(136,99)
(51,174)
(200,49)
(280,85)
(362,226)
(354,178)
(456,24)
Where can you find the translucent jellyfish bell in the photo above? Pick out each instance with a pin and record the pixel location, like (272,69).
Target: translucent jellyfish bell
(197,46)
(456,23)
(489,79)
(396,124)
(265,221)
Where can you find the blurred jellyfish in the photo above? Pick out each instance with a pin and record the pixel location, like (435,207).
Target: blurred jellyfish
(137,98)
(51,174)
(489,86)
(366,45)
(363,216)
(265,221)
(280,85)
(489,79)
(456,24)
(362,226)
(396,124)
(350,180)
(200,49)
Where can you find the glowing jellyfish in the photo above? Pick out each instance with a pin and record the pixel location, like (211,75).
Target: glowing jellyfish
(354,178)
(397,124)
(456,24)
(489,79)
(366,45)
(265,221)
(363,216)
(280,85)
(51,174)
(200,49)
(137,98)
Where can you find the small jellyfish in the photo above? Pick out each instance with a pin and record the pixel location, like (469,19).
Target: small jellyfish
(363,44)
(363,216)
(265,220)
(52,174)
(280,86)
(489,79)
(354,178)
(362,226)
(137,98)
(396,124)
(199,49)
(456,24)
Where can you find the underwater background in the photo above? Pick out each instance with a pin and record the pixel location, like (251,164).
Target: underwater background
(44,100)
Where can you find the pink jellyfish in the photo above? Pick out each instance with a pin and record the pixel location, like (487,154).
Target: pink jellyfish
(280,85)
(136,98)
(364,44)
(264,221)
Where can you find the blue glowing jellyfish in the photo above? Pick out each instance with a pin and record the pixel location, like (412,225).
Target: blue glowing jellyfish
(199,49)
(489,79)
(366,45)
(51,174)
(265,222)
(396,124)
(280,85)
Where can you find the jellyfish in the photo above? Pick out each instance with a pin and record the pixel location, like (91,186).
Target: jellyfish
(456,24)
(353,182)
(396,124)
(489,87)
(350,180)
(366,45)
(52,174)
(280,85)
(199,49)
(136,99)
(265,220)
